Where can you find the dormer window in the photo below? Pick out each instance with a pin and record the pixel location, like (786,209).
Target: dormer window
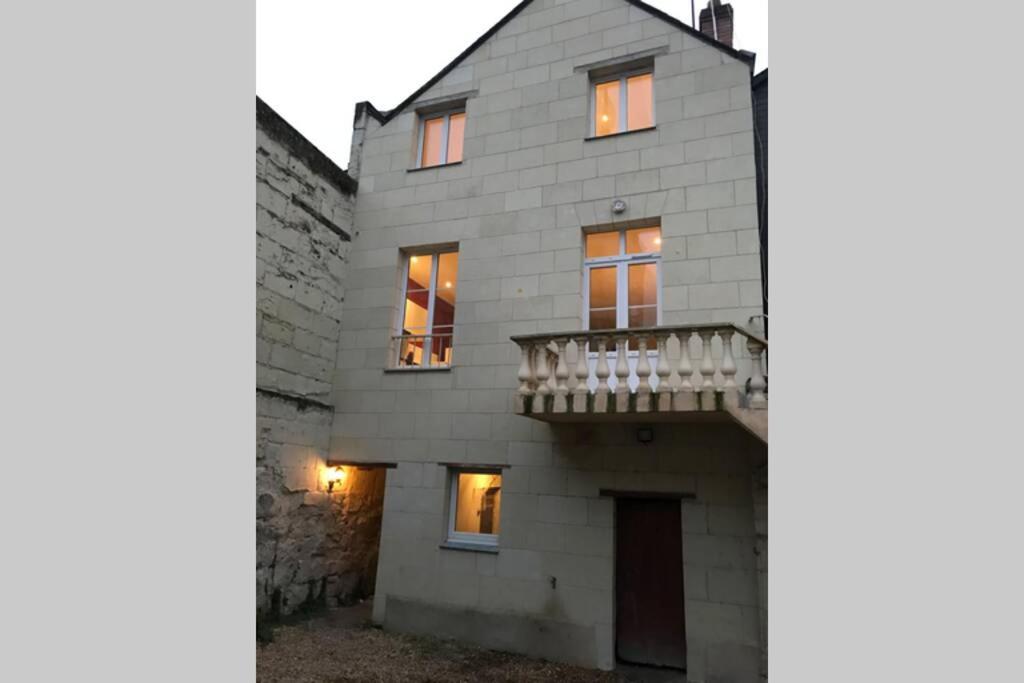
(441,136)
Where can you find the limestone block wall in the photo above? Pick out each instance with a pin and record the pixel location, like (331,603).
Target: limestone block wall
(308,543)
(517,207)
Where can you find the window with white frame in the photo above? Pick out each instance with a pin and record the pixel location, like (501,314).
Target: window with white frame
(622,279)
(622,102)
(474,512)
(440,138)
(424,337)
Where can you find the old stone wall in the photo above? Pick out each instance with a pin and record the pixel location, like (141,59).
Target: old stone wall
(305,537)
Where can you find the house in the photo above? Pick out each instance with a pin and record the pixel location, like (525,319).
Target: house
(547,350)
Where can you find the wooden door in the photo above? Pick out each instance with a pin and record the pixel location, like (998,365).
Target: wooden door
(649,621)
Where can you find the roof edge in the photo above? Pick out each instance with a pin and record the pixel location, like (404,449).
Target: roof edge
(385,117)
(301,147)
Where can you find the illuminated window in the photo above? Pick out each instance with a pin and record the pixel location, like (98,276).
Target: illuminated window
(623,103)
(622,272)
(474,514)
(424,339)
(441,137)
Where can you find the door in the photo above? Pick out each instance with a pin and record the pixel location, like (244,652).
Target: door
(649,621)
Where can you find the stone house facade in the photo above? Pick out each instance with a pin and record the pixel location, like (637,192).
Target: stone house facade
(546,348)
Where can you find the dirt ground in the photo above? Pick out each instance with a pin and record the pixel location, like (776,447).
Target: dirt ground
(342,647)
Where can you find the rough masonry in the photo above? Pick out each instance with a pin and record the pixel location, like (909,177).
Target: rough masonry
(311,547)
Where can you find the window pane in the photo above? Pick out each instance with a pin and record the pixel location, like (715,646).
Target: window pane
(643,316)
(419,271)
(643,240)
(478,503)
(444,308)
(603,320)
(602,287)
(602,244)
(433,132)
(643,284)
(606,110)
(640,101)
(456,131)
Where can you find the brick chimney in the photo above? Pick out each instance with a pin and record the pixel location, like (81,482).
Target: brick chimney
(723,18)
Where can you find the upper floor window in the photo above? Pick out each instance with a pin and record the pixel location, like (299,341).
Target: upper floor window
(622,273)
(623,102)
(441,138)
(428,310)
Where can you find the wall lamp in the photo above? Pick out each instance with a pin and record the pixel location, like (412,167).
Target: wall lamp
(334,475)
(645,435)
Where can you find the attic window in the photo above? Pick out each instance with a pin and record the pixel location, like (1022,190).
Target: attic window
(440,139)
(622,102)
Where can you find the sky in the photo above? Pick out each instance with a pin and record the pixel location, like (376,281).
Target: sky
(316,58)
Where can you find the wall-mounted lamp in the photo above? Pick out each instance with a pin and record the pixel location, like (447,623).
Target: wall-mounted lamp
(334,475)
(645,435)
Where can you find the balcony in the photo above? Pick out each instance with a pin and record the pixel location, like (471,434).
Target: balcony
(673,373)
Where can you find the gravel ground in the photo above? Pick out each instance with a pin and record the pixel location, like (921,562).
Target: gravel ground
(342,646)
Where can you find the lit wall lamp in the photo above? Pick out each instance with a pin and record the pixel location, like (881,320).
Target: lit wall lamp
(334,475)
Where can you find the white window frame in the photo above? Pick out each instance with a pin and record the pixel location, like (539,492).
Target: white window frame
(435,256)
(462,537)
(446,115)
(622,77)
(622,261)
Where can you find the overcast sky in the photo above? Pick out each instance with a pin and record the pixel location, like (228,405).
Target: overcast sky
(316,58)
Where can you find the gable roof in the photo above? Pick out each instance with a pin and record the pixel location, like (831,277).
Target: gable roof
(384,117)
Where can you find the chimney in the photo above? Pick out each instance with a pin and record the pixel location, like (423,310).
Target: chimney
(722,21)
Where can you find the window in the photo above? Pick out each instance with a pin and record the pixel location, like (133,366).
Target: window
(623,103)
(428,310)
(474,514)
(622,273)
(441,138)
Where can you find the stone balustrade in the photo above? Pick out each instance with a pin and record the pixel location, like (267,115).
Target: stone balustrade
(666,369)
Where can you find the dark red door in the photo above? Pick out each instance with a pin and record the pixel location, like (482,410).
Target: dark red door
(649,622)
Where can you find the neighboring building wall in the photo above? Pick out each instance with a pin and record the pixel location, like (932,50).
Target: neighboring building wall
(305,553)
(760,97)
(517,206)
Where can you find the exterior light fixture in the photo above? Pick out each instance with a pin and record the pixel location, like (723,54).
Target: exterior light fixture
(335,475)
(645,435)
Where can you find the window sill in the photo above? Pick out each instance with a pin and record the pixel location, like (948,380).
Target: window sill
(413,368)
(430,168)
(469,547)
(617,135)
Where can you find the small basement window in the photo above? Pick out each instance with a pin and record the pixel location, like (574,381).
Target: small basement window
(622,102)
(441,137)
(474,515)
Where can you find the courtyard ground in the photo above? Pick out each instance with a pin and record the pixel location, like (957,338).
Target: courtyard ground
(342,646)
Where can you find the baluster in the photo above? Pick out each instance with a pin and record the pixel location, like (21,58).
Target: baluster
(543,372)
(579,397)
(603,373)
(643,373)
(622,374)
(707,371)
(757,383)
(684,398)
(561,376)
(664,370)
(526,380)
(728,368)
